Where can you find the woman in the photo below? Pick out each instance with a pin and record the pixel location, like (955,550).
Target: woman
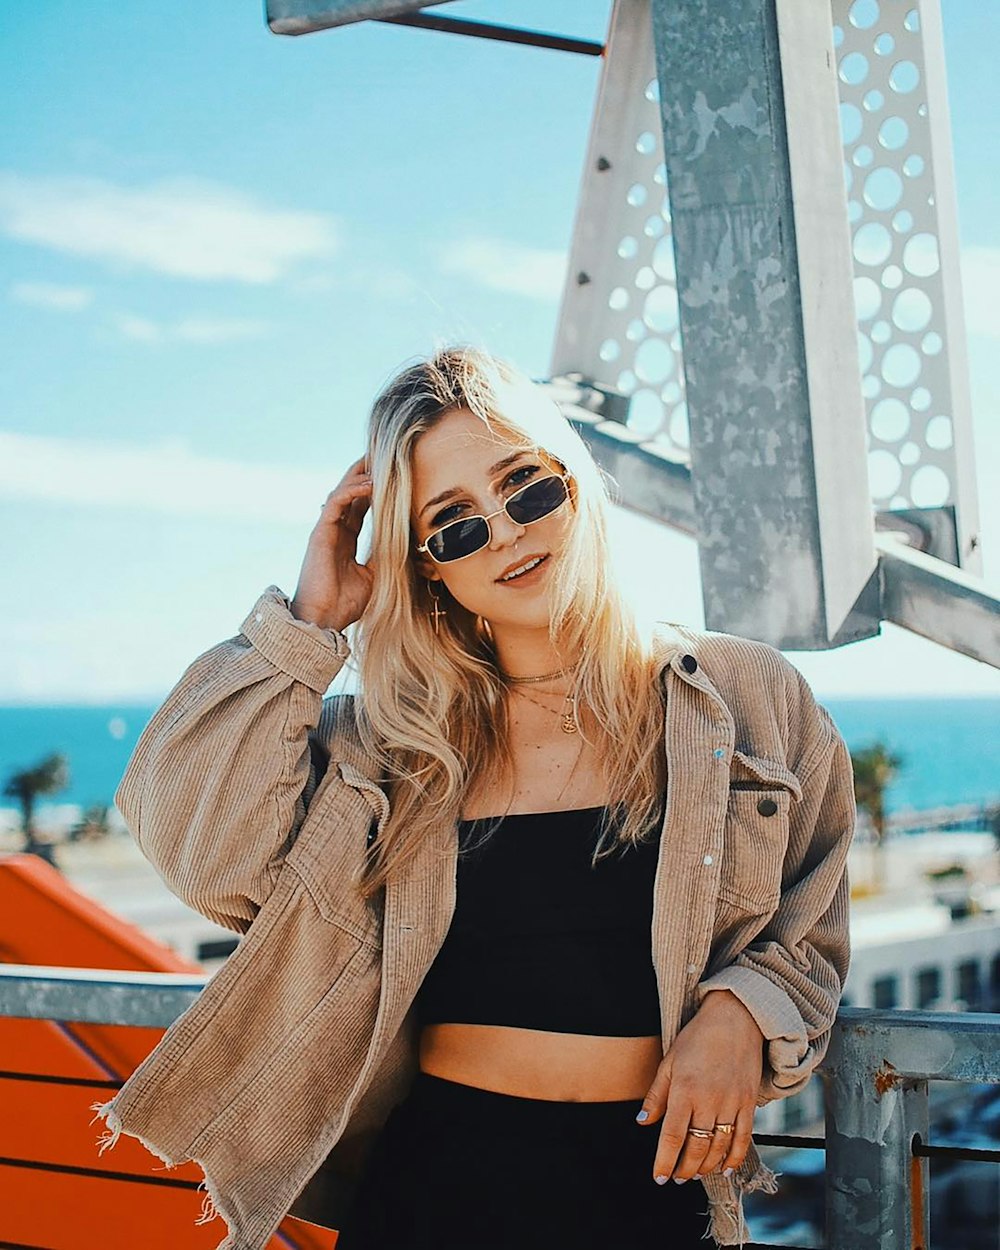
(535,922)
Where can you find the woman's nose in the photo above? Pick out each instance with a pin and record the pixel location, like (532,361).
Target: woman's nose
(504,530)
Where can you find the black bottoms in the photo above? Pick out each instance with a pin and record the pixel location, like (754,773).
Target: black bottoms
(462,1168)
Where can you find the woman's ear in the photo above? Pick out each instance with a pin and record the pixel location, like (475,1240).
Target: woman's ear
(426,567)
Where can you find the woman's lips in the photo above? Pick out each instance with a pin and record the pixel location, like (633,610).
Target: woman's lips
(529,578)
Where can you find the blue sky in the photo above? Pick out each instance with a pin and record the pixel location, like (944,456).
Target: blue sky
(216,244)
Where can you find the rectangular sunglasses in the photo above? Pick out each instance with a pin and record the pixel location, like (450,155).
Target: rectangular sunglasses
(470,534)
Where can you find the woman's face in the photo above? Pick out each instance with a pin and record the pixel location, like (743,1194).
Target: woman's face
(460,454)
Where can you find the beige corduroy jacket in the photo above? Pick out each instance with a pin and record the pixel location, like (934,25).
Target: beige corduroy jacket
(250,793)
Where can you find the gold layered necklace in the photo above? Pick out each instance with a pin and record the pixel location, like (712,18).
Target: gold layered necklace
(565,713)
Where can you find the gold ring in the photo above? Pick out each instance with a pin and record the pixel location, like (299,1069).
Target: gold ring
(701,1132)
(724,1128)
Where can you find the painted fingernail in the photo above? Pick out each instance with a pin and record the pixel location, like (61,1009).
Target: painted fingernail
(727,1172)
(680,1180)
(661,1180)
(642,1117)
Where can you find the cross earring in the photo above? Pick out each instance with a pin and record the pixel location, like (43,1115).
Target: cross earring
(438,611)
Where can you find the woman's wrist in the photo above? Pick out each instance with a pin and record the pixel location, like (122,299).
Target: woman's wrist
(302,612)
(726,1003)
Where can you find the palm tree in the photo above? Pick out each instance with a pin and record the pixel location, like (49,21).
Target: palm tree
(93,824)
(49,776)
(875,769)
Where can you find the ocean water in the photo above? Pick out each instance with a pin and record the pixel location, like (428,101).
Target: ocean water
(950,747)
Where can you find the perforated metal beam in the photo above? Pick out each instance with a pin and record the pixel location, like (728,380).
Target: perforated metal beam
(752,148)
(302,17)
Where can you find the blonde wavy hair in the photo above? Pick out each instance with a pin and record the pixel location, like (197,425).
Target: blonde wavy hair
(432,708)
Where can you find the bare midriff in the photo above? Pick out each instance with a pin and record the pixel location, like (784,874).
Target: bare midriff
(530,1063)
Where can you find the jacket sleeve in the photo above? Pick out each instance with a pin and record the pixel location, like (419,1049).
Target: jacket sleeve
(218,784)
(791,977)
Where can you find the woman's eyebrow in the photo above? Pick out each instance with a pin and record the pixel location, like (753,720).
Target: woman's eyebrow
(457,490)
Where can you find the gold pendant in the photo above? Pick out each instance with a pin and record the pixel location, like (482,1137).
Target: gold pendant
(569,725)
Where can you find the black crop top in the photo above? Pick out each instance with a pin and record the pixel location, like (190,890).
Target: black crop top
(540,939)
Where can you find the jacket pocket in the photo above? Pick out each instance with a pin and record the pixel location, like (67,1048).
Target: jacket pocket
(761,791)
(328,857)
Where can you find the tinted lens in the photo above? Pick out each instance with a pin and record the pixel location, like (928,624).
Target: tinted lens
(537,500)
(461,538)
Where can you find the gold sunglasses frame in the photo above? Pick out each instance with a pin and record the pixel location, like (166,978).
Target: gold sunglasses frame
(424,547)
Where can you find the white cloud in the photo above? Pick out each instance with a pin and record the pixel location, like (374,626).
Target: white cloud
(140,329)
(190,329)
(186,228)
(163,478)
(535,272)
(980,287)
(52,295)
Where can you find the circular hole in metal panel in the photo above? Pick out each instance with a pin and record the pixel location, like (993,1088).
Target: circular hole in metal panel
(893,133)
(678,428)
(663,259)
(913,166)
(890,420)
(904,77)
(920,255)
(854,68)
(867,298)
(871,386)
(884,473)
(901,365)
(938,435)
(920,400)
(609,350)
(865,352)
(645,145)
(618,299)
(654,361)
(626,382)
(883,189)
(912,310)
(660,311)
(873,101)
(645,412)
(851,123)
(636,195)
(929,487)
(931,344)
(872,244)
(670,393)
(863,14)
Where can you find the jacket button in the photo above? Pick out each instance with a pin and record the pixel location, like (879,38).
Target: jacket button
(689,662)
(767,807)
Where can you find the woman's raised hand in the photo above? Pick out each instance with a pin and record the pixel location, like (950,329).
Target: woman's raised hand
(709,1076)
(334,589)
